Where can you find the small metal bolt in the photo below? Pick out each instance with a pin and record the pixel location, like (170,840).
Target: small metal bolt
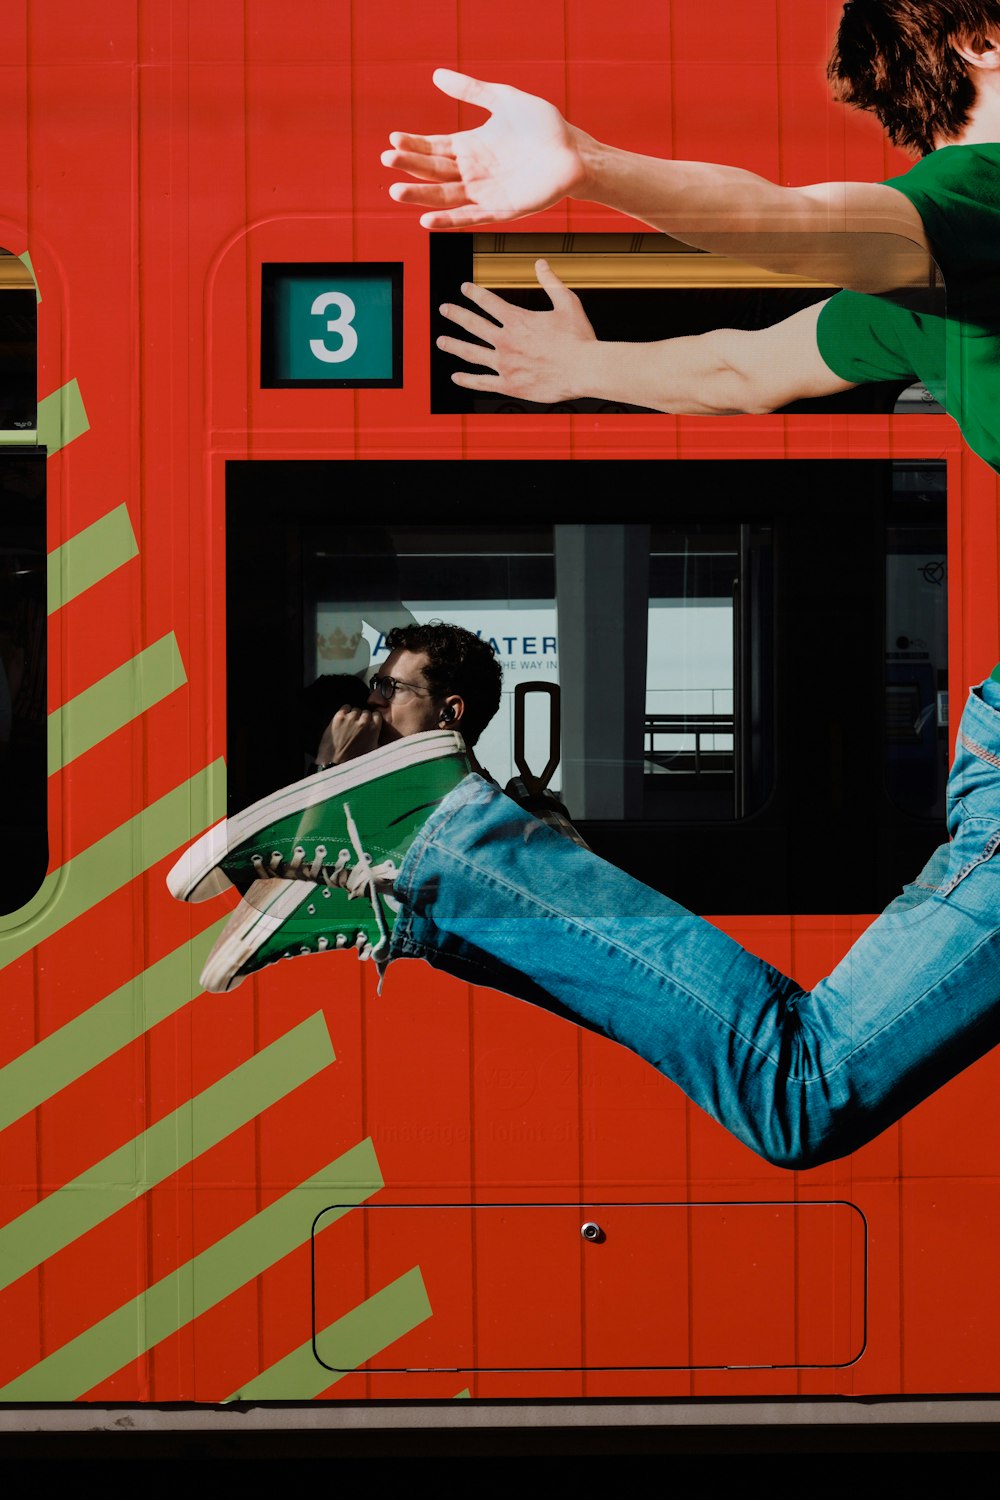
(592,1231)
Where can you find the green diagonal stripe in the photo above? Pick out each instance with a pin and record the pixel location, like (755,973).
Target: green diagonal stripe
(62,417)
(192,1289)
(26,259)
(90,556)
(159,1151)
(357,1336)
(95,873)
(114,701)
(104,1028)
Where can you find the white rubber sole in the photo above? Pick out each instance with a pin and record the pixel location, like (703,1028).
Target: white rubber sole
(251,924)
(196,876)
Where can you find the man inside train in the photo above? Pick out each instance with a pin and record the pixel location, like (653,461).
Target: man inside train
(929,72)
(436,676)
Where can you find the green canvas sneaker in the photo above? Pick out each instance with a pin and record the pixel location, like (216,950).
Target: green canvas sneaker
(310,830)
(287,919)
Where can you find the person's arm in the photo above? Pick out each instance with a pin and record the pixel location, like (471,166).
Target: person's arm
(526,157)
(554,356)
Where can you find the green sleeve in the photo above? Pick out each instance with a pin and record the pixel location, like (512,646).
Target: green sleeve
(956,192)
(858,340)
(865,337)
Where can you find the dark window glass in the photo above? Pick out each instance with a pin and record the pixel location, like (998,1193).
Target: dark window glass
(23,605)
(734,729)
(18,352)
(23,822)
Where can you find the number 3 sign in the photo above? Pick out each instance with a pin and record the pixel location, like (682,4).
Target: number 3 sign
(332,325)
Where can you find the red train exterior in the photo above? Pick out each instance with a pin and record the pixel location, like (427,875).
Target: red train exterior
(178,1169)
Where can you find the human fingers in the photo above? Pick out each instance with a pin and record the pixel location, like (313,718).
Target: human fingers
(462,86)
(423,145)
(487,300)
(430,194)
(473,354)
(424,166)
(557,290)
(360,717)
(470,321)
(477,382)
(466,217)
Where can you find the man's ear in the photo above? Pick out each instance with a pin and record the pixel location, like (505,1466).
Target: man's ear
(452,711)
(982,52)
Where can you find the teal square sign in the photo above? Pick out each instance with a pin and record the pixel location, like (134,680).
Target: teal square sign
(332,325)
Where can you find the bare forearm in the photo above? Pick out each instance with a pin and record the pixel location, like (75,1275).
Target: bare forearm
(726,371)
(550,357)
(855,234)
(695,376)
(679,197)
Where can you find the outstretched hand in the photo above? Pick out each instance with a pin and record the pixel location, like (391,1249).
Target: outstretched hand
(524,158)
(537,356)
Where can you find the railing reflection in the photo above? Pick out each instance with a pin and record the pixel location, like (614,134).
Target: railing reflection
(679,743)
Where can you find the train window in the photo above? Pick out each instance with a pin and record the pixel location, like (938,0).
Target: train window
(723,670)
(332,325)
(23,749)
(635,287)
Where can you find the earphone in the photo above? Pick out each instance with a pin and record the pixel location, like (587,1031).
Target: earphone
(448,714)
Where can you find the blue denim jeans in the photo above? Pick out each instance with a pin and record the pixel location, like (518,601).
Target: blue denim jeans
(801,1077)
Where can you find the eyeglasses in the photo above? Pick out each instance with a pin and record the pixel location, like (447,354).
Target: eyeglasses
(387,687)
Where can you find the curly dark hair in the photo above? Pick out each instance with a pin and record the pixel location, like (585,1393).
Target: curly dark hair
(457,662)
(897,58)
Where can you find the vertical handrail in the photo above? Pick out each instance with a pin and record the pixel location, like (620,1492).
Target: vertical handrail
(522,689)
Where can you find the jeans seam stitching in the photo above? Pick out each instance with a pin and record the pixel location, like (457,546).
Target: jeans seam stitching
(987,852)
(978,750)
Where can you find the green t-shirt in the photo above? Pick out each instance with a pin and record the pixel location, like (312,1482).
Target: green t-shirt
(956,191)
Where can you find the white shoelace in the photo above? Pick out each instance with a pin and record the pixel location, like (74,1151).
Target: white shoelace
(360,879)
(363,878)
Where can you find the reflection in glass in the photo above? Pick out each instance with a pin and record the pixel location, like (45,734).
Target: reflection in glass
(708,672)
(23,746)
(497,583)
(916,642)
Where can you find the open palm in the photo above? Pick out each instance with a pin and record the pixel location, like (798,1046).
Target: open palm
(524,158)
